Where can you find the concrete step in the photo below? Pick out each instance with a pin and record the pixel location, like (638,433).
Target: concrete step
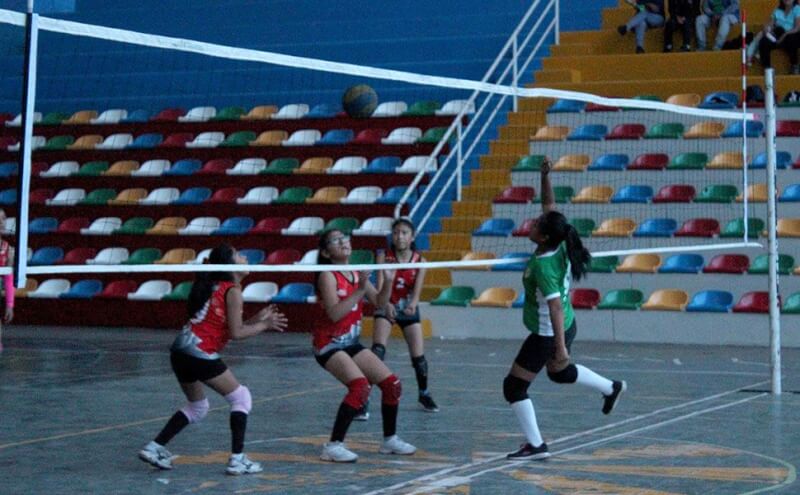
(453,242)
(472,208)
(461,224)
(482,192)
(509,147)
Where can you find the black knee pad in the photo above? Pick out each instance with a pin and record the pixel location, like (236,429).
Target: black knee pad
(420,365)
(515,389)
(379,350)
(567,375)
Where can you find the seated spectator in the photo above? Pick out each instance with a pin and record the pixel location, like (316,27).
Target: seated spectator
(723,13)
(783,31)
(649,14)
(682,14)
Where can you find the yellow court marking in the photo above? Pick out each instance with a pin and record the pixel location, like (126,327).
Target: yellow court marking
(742,474)
(570,485)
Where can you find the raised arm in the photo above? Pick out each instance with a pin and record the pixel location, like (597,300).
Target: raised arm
(546,189)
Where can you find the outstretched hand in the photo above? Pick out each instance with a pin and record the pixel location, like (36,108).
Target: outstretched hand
(273,319)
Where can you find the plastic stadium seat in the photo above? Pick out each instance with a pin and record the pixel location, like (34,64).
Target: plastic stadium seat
(78,256)
(597,107)
(83,289)
(98,197)
(135,226)
(666,300)
(261,195)
(756,193)
(495,297)
(323,111)
(92,169)
(72,225)
(260,112)
(143,256)
(138,116)
(235,226)
(688,161)
(50,288)
(130,196)
(584,298)
(550,133)
(8,169)
(515,195)
(118,289)
(336,137)
(17,121)
(656,227)
(210,139)
(167,226)
(627,299)
(667,130)
(572,163)
(753,302)
(363,195)
(177,256)
(698,227)
(610,162)
(169,115)
(327,195)
(67,197)
(46,256)
(375,226)
(229,113)
(588,132)
(393,195)
(615,227)
(728,263)
(88,142)
(151,168)
(524,230)
(720,100)
(310,258)
(633,194)
(121,168)
(627,131)
(640,263)
(755,129)
(791,193)
(584,226)
(532,163)
(183,168)
(161,196)
(792,304)
(315,165)
(58,143)
(678,193)
(566,106)
(81,117)
(102,226)
(218,166)
(477,256)
(302,137)
(603,264)
(152,290)
(495,227)
(517,266)
(362,257)
(9,226)
(200,226)
(416,164)
(760,265)
(783,159)
(180,292)
(253,256)
(291,111)
(682,263)
(369,136)
(109,256)
(259,292)
(226,195)
(177,140)
(295,293)
(390,109)
(705,130)
(270,138)
(348,165)
(403,135)
(40,196)
(787,128)
(282,166)
(788,227)
(684,99)
(433,135)
(198,114)
(650,161)
(304,226)
(344,224)
(272,225)
(727,160)
(115,142)
(382,165)
(110,116)
(594,194)
(293,195)
(422,109)
(454,296)
(563,194)
(717,193)
(8,197)
(455,107)
(11,143)
(247,166)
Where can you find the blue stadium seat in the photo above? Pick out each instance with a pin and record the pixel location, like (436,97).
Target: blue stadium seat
(294,293)
(588,132)
(495,227)
(633,194)
(83,289)
(193,196)
(8,169)
(682,263)
(46,256)
(422,242)
(254,256)
(656,227)
(183,168)
(43,225)
(392,195)
(336,137)
(519,301)
(383,165)
(755,128)
(512,267)
(783,159)
(610,162)
(711,301)
(323,111)
(566,106)
(8,197)
(146,141)
(235,226)
(720,100)
(791,193)
(136,117)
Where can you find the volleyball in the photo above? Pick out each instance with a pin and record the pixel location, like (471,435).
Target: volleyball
(360,101)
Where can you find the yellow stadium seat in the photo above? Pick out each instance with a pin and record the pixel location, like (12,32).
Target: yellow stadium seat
(705,130)
(261,112)
(572,163)
(615,227)
(594,194)
(167,226)
(667,300)
(685,99)
(122,168)
(727,159)
(640,263)
(81,117)
(788,227)
(496,297)
(327,195)
(177,256)
(315,165)
(30,286)
(270,138)
(550,133)
(756,193)
(477,255)
(129,196)
(86,142)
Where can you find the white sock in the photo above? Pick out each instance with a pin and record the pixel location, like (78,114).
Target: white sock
(527,420)
(591,379)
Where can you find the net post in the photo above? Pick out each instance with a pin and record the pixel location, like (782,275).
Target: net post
(515,67)
(744,125)
(558,21)
(774,309)
(459,161)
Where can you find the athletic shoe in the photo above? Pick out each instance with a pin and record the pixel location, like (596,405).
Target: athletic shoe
(363,413)
(427,403)
(609,401)
(241,464)
(529,452)
(156,455)
(393,445)
(337,452)
(622,29)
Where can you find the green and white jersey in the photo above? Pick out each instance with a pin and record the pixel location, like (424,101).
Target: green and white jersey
(546,276)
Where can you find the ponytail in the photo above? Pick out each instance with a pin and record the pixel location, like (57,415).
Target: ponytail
(579,256)
(204,284)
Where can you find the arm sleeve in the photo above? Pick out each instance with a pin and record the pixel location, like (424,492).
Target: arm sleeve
(8,286)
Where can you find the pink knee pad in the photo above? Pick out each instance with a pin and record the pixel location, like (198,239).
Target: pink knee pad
(195,411)
(240,400)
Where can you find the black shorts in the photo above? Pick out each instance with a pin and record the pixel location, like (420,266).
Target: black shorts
(190,369)
(402,319)
(537,350)
(351,351)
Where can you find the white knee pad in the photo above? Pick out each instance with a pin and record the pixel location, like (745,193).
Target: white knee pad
(195,411)
(240,400)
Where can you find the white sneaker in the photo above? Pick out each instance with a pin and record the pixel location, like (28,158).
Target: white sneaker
(157,455)
(393,445)
(241,464)
(337,452)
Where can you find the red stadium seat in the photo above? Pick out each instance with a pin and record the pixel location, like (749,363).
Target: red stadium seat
(596,107)
(72,225)
(650,161)
(515,194)
(177,140)
(369,136)
(217,166)
(753,302)
(169,115)
(5,117)
(40,196)
(584,298)
(627,131)
(38,167)
(676,193)
(698,227)
(6,141)
(78,256)
(788,128)
(524,230)
(118,289)
(226,195)
(272,225)
(283,257)
(728,263)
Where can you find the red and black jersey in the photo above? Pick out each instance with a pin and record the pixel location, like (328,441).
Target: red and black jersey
(207,332)
(334,334)
(404,279)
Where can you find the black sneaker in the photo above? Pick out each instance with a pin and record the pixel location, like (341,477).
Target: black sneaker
(622,29)
(529,452)
(609,401)
(686,48)
(363,413)
(639,49)
(427,403)
(667,48)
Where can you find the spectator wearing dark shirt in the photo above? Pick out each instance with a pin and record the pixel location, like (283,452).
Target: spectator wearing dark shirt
(682,14)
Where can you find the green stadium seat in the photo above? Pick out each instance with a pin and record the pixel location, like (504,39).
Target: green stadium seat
(143,256)
(135,226)
(422,109)
(283,166)
(293,196)
(98,197)
(58,143)
(670,130)
(229,113)
(432,135)
(342,224)
(54,118)
(584,226)
(628,299)
(735,228)
(91,169)
(792,304)
(603,264)
(239,139)
(532,163)
(688,161)
(760,265)
(563,194)
(180,292)
(458,295)
(718,193)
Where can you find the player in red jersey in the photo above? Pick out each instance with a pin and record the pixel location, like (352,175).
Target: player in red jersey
(6,259)
(337,349)
(215,311)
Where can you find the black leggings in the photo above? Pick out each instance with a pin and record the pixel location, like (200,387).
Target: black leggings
(537,350)
(790,44)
